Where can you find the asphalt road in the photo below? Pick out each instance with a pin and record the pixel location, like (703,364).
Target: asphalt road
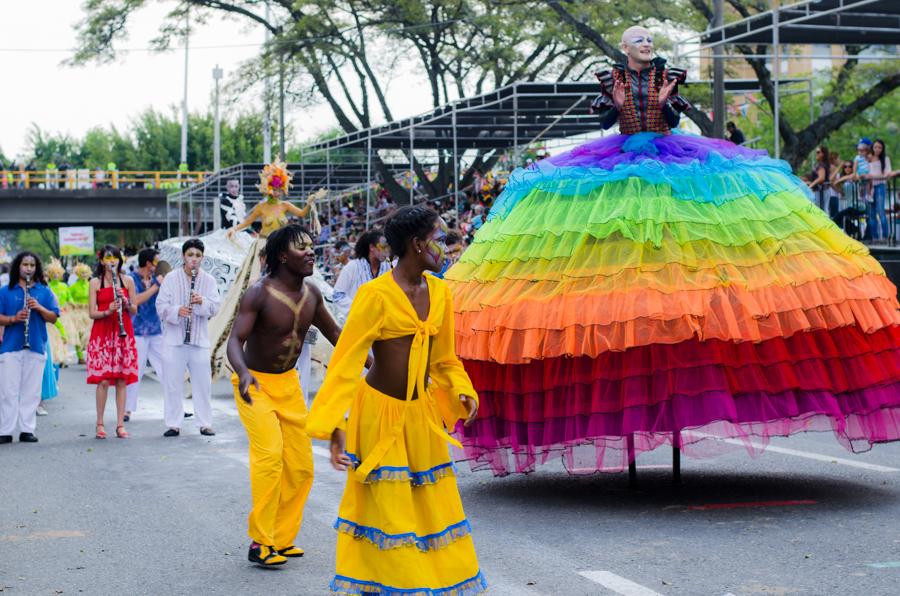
(151,515)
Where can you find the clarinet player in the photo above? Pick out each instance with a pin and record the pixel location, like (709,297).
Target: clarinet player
(187,299)
(111,350)
(26,305)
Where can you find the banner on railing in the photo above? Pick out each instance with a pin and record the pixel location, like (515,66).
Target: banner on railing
(76,241)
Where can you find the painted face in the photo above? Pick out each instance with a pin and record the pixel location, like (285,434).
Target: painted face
(436,248)
(192,258)
(110,261)
(27,267)
(638,45)
(300,257)
(233,188)
(381,249)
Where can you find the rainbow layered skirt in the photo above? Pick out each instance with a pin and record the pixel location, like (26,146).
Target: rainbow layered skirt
(647,290)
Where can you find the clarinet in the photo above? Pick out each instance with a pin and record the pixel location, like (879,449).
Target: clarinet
(117,289)
(27,346)
(187,327)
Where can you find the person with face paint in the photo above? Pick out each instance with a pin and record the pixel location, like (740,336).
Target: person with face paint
(147,326)
(266,340)
(80,293)
(372,260)
(401,525)
(187,298)
(229,208)
(273,212)
(111,356)
(656,288)
(26,306)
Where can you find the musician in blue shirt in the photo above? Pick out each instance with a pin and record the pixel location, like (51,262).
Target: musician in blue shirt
(26,306)
(147,326)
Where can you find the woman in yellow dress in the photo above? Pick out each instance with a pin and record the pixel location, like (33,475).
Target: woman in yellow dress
(401,525)
(274,183)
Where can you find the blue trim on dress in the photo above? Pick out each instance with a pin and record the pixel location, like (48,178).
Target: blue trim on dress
(401,473)
(347,585)
(386,541)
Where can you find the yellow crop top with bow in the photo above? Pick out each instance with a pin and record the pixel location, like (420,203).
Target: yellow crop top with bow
(382,311)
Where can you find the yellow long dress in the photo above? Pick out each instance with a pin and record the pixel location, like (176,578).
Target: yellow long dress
(401,525)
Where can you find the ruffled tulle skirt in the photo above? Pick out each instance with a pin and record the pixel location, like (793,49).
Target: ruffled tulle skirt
(668,289)
(401,527)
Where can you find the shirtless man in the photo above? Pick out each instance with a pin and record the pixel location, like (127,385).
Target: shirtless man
(273,318)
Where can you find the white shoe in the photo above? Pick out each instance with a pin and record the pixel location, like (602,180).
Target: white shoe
(42,411)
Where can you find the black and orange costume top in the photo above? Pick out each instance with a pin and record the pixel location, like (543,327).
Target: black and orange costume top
(641,111)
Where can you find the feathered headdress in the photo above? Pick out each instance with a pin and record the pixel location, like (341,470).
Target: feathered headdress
(55,269)
(82,270)
(274,176)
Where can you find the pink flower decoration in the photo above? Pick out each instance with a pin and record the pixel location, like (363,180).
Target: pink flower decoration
(277,181)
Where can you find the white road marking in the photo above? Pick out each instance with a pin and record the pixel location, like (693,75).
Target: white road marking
(617,583)
(805,454)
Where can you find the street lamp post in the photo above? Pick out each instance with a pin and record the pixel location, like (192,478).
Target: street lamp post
(217,141)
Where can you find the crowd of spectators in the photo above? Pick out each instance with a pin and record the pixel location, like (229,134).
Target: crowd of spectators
(856,193)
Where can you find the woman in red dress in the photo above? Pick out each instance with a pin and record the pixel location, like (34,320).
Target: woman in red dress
(112,350)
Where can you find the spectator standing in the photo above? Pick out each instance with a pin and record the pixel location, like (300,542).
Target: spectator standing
(371,261)
(879,172)
(735,135)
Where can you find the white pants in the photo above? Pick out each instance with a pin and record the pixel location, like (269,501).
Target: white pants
(21,374)
(196,360)
(148,347)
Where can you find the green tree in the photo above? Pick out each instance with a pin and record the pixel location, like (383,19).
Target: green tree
(345,53)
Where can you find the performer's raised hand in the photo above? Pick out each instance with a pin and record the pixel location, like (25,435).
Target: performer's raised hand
(339,459)
(247,379)
(316,196)
(471,408)
(666,90)
(618,94)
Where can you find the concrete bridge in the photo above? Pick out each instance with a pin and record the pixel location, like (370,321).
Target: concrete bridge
(101,208)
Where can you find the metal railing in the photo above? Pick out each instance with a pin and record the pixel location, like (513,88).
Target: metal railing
(85,179)
(857,210)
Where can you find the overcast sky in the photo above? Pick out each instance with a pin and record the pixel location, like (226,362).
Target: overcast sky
(74,99)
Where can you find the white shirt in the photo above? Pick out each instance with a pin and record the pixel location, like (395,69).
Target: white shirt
(175,293)
(354,274)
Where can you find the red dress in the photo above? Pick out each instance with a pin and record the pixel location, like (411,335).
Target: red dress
(110,357)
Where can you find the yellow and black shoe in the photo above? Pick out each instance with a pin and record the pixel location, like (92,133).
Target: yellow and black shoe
(291,551)
(265,556)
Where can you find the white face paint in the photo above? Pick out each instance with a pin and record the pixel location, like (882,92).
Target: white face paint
(637,43)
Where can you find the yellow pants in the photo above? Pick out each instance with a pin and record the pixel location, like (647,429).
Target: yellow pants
(281,463)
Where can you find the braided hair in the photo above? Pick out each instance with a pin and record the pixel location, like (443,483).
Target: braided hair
(407,223)
(279,242)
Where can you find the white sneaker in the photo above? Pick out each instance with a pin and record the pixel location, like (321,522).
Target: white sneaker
(42,411)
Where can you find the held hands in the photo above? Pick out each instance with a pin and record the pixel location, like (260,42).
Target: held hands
(339,459)
(246,379)
(471,409)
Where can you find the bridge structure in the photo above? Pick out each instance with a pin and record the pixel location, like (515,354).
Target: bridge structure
(100,198)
